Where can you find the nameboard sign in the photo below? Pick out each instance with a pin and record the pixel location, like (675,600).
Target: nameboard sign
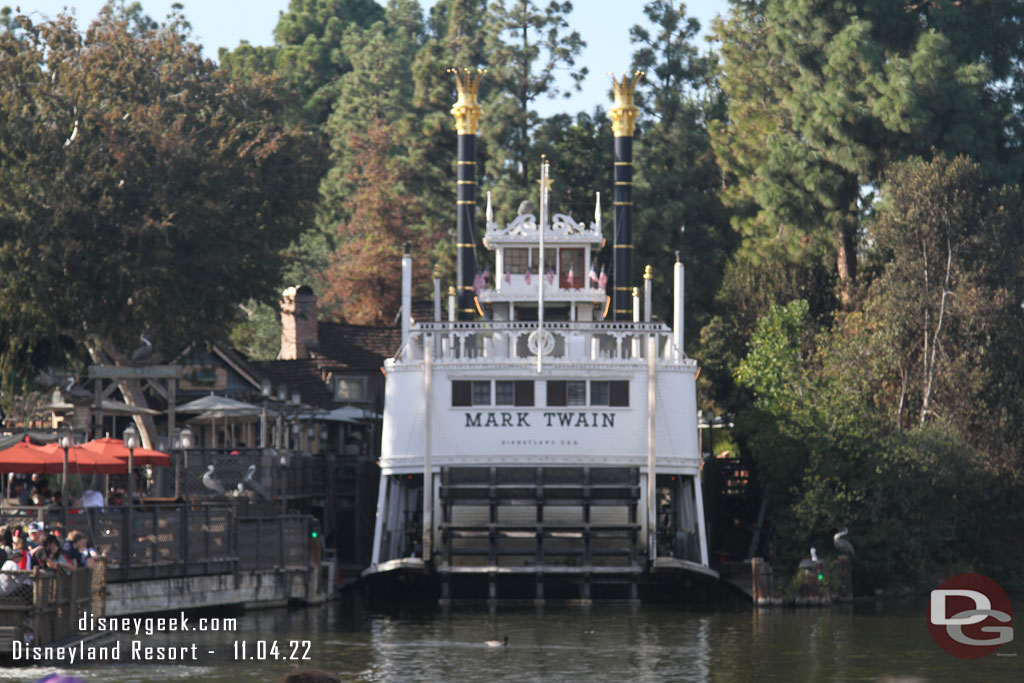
(140,372)
(547,419)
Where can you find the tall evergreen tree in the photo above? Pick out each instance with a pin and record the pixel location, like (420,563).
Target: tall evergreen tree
(677,182)
(823,94)
(307,52)
(526,45)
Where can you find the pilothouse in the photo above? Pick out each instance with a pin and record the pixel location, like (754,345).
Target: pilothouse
(541,441)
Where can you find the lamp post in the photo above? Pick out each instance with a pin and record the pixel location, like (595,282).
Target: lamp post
(282,397)
(66,440)
(183,439)
(267,389)
(131,442)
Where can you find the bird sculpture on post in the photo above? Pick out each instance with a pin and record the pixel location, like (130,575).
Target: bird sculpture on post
(143,352)
(211,483)
(842,545)
(811,563)
(74,393)
(254,485)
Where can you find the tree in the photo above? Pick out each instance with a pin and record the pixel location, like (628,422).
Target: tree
(823,95)
(678,181)
(946,303)
(307,53)
(525,46)
(362,280)
(141,189)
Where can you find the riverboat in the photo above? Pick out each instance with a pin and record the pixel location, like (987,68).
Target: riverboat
(540,441)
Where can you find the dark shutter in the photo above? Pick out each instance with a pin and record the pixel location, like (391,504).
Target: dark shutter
(618,393)
(556,393)
(462,393)
(524,393)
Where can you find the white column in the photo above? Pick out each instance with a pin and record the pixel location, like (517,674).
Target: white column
(677,305)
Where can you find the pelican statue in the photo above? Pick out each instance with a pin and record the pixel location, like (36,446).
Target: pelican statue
(145,351)
(211,483)
(497,643)
(75,393)
(252,484)
(810,564)
(842,545)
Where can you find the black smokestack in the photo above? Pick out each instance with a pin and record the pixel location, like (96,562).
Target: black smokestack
(467,115)
(623,115)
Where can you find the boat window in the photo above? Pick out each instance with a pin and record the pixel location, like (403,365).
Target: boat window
(482,393)
(462,393)
(524,392)
(577,393)
(504,393)
(513,393)
(618,393)
(516,259)
(599,393)
(556,393)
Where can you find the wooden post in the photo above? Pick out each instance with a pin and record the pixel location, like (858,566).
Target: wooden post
(846,579)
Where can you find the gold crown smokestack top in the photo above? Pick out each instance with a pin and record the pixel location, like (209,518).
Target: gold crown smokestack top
(623,116)
(467,113)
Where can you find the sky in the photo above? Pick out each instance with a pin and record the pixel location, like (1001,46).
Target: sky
(603,24)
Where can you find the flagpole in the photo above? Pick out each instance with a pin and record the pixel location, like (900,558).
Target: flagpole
(540,271)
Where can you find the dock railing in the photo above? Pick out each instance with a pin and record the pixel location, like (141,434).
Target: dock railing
(43,607)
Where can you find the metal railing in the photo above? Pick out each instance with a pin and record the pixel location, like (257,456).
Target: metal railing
(611,342)
(282,474)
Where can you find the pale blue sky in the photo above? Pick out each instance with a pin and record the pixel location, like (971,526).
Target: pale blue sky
(603,24)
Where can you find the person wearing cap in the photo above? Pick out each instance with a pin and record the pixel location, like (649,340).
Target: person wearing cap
(36,534)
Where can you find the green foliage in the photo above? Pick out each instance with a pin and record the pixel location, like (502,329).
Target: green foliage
(141,189)
(854,424)
(823,95)
(677,179)
(526,46)
(307,53)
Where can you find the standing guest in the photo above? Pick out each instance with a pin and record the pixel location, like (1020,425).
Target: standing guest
(21,554)
(10,582)
(6,539)
(75,550)
(52,557)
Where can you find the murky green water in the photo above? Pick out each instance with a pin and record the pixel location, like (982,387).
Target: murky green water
(865,642)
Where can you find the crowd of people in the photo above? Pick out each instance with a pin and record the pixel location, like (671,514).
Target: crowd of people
(24,548)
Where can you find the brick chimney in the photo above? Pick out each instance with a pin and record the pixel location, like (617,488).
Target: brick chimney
(298,323)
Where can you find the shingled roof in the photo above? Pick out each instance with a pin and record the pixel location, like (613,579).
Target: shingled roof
(356,347)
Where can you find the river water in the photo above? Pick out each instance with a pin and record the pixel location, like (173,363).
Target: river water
(868,641)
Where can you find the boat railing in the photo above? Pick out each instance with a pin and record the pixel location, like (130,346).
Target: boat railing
(520,341)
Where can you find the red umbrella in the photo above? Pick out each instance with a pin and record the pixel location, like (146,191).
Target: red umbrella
(116,449)
(84,461)
(24,458)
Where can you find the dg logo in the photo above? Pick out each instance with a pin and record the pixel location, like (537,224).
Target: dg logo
(970,616)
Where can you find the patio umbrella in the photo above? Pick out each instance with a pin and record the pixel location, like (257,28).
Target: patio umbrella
(24,458)
(84,461)
(219,406)
(116,449)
